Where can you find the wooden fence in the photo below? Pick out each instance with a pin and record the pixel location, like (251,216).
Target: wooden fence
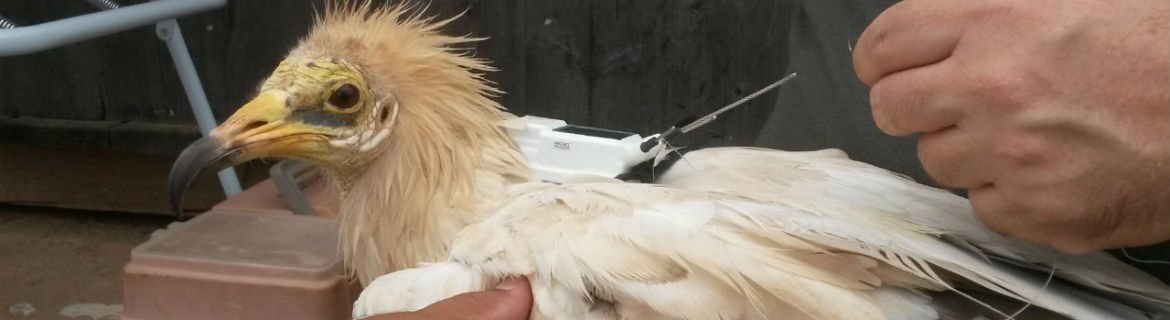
(635,65)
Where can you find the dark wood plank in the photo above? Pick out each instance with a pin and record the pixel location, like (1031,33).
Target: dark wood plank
(261,32)
(626,73)
(132,137)
(557,60)
(756,48)
(502,22)
(5,112)
(655,62)
(140,82)
(97,180)
(152,138)
(58,83)
(56,133)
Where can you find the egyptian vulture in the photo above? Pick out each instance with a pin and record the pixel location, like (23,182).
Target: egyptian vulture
(437,200)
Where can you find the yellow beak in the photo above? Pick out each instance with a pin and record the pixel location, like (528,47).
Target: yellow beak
(258,120)
(258,129)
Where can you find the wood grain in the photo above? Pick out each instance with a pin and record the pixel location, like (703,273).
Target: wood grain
(101,180)
(624,64)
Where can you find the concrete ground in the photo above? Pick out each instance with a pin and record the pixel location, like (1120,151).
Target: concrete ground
(66,264)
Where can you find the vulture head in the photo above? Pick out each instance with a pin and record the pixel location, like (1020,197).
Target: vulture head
(396,113)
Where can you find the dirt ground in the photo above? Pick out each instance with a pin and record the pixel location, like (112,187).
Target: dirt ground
(66,264)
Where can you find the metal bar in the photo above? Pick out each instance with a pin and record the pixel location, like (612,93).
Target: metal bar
(287,175)
(169,31)
(53,34)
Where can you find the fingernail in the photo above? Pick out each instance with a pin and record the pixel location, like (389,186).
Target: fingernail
(509,283)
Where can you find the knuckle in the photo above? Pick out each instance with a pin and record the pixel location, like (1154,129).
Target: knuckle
(989,211)
(876,47)
(1001,216)
(884,113)
(1031,216)
(937,164)
(999,87)
(1020,149)
(867,59)
(880,45)
(887,123)
(880,52)
(893,106)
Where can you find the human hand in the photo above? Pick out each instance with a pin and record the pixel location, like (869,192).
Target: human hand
(510,300)
(1054,113)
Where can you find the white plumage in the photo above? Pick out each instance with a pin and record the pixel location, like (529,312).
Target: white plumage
(742,233)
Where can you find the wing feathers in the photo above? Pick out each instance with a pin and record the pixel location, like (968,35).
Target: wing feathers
(797,236)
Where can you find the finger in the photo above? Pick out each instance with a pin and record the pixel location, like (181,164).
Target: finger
(510,300)
(957,157)
(1052,215)
(1002,214)
(909,34)
(998,213)
(916,100)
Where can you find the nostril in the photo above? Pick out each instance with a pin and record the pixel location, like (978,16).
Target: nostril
(254,125)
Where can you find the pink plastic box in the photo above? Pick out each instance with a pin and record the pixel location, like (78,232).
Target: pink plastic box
(227,264)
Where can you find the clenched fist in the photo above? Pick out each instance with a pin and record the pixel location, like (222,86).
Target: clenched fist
(1054,113)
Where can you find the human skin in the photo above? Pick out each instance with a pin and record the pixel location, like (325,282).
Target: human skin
(1055,114)
(510,300)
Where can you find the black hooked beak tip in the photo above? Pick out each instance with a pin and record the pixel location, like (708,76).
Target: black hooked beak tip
(205,153)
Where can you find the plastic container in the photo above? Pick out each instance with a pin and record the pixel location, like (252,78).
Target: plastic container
(233,265)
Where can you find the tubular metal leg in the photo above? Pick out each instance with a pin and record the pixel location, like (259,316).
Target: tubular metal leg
(169,31)
(287,175)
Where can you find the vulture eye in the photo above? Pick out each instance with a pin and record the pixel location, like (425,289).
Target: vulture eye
(345,96)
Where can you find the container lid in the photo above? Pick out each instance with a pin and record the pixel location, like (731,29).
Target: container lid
(246,244)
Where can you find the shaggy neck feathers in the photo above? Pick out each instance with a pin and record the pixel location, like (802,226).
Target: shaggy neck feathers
(447,159)
(408,204)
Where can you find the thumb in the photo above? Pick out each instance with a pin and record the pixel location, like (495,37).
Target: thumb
(510,300)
